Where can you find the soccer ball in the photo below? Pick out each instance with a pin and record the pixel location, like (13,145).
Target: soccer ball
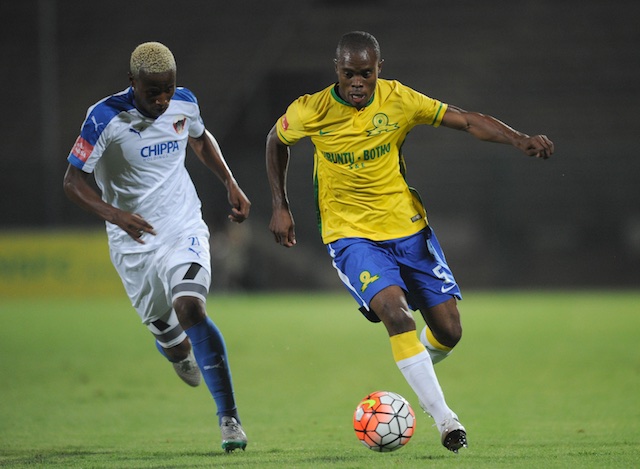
(384,421)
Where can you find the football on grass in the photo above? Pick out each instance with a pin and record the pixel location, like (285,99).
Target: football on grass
(384,421)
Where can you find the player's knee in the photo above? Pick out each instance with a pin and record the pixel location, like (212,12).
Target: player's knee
(444,322)
(450,335)
(394,313)
(179,352)
(190,310)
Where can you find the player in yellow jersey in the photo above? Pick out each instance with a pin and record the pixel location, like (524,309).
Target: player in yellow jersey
(373,223)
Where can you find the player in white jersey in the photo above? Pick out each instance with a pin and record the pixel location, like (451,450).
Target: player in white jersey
(134,142)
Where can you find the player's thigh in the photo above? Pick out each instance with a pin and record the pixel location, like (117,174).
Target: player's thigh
(425,270)
(185,266)
(444,321)
(141,281)
(188,277)
(390,305)
(431,285)
(365,267)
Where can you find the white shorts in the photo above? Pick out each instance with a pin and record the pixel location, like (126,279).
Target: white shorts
(154,279)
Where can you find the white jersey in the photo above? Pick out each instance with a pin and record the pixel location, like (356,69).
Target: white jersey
(138,164)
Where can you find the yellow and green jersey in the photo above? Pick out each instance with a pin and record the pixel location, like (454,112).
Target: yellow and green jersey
(358,167)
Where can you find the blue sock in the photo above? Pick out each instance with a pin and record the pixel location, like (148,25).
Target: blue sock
(161,350)
(211,354)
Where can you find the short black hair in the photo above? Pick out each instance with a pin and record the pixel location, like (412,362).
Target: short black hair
(357,41)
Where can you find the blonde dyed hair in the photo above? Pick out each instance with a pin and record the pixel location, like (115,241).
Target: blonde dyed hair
(151,57)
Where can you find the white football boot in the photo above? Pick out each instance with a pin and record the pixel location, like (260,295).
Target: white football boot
(188,370)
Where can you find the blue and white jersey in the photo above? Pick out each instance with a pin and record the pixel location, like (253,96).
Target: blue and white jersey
(139,164)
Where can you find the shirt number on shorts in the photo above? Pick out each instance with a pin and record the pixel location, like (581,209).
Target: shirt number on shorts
(440,272)
(195,241)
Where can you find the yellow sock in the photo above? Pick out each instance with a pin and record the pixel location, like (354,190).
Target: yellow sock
(415,364)
(437,351)
(405,345)
(434,342)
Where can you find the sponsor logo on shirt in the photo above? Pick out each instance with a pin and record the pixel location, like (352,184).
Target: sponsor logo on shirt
(285,123)
(160,150)
(340,158)
(357,161)
(82,149)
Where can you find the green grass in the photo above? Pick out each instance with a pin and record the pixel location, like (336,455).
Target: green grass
(540,380)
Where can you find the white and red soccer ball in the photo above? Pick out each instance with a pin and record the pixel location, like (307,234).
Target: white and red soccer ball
(384,421)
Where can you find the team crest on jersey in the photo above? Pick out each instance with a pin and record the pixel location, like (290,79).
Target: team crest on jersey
(179,123)
(381,124)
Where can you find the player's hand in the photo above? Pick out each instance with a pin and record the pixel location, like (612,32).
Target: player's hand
(283,227)
(538,145)
(240,204)
(134,225)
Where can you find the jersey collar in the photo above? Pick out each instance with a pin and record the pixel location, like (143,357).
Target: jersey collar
(140,111)
(336,96)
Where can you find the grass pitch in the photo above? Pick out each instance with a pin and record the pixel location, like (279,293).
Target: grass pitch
(540,380)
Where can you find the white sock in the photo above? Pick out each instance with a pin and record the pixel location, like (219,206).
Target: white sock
(419,373)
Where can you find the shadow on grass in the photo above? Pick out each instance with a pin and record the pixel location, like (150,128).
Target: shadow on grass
(108,458)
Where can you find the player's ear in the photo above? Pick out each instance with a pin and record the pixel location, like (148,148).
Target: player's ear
(380,65)
(131,80)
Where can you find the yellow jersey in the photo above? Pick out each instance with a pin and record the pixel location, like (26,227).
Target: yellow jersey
(358,171)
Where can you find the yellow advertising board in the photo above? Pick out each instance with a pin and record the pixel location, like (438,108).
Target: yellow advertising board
(56,263)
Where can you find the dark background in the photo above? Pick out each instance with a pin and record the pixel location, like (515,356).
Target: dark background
(568,69)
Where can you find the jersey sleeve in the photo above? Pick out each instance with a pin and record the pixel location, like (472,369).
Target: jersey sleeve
(290,126)
(92,141)
(425,110)
(196,124)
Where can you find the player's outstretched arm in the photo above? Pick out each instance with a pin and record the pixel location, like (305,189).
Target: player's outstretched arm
(490,129)
(277,159)
(208,151)
(78,190)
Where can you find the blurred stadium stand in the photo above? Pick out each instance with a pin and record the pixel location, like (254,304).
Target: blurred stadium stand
(568,69)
